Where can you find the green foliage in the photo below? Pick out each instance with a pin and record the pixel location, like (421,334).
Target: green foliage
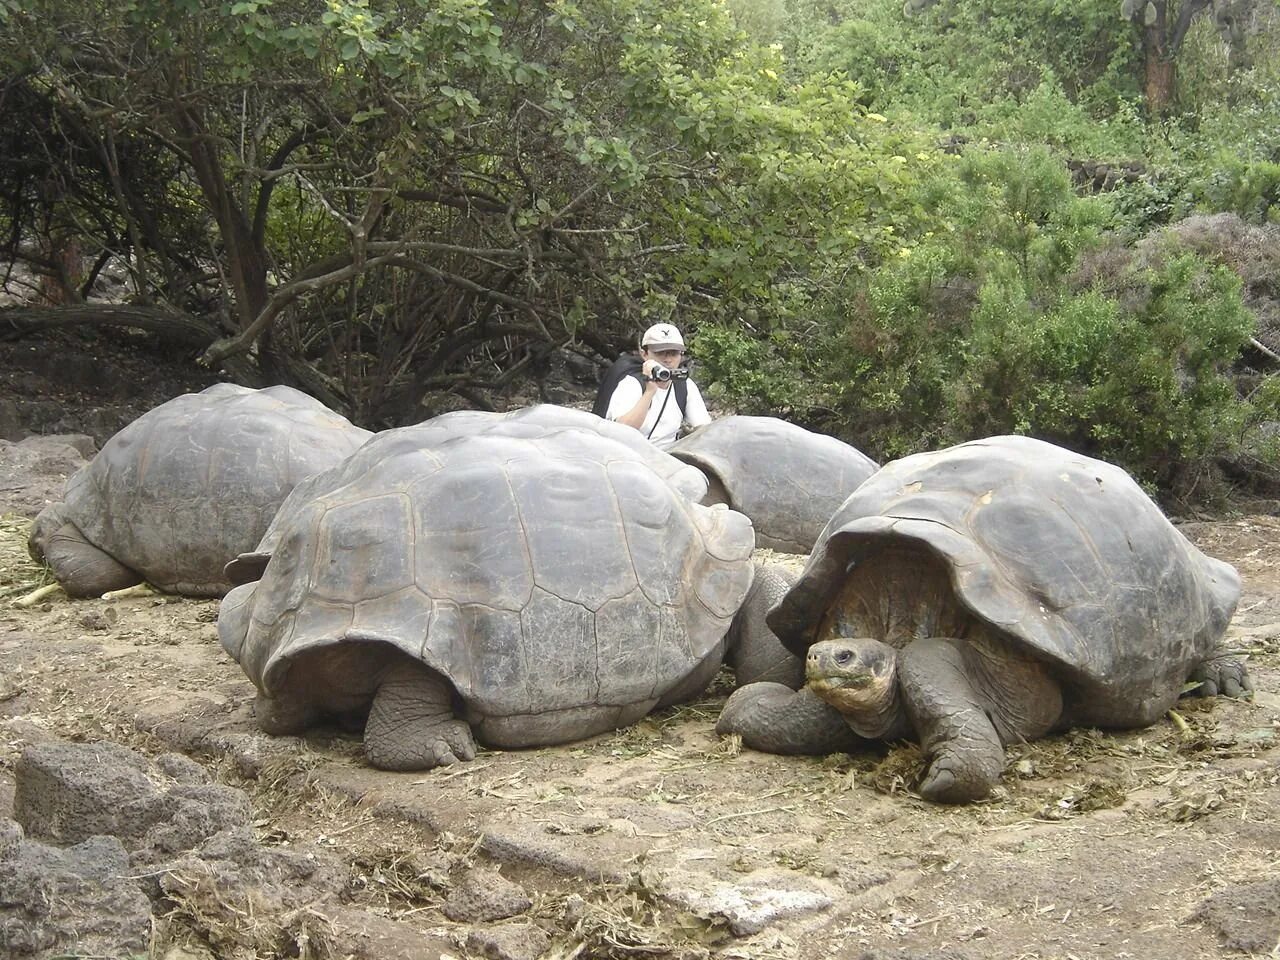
(1251,190)
(1046,70)
(766,375)
(862,212)
(985,330)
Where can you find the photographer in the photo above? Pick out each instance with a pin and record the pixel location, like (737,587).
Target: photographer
(649,400)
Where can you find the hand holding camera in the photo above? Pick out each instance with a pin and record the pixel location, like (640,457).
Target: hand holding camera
(661,374)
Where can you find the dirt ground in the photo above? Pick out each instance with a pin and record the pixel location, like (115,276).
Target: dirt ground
(662,840)
(666,841)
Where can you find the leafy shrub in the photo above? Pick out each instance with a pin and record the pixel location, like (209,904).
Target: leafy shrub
(1249,189)
(995,327)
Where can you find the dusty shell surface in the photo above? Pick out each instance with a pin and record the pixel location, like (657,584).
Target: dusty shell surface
(787,479)
(195,481)
(550,572)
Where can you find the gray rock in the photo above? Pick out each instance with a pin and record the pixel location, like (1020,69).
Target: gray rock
(55,902)
(482,896)
(180,767)
(234,872)
(196,813)
(508,941)
(11,835)
(68,792)
(1246,916)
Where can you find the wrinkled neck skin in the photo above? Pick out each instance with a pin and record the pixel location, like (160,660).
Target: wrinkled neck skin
(859,677)
(889,598)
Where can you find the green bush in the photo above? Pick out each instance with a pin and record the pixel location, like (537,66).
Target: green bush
(990,327)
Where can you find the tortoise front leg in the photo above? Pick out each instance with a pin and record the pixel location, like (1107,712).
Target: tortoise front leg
(411,724)
(773,718)
(283,717)
(964,752)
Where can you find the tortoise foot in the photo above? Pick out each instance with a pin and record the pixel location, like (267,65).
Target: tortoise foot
(1225,675)
(411,723)
(965,754)
(438,744)
(955,780)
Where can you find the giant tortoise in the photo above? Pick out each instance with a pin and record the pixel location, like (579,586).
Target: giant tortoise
(520,580)
(988,593)
(185,488)
(787,479)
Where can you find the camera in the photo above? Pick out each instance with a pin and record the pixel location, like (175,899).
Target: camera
(662,374)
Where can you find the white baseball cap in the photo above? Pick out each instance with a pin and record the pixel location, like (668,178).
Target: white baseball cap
(662,336)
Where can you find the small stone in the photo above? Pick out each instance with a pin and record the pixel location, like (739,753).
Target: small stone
(508,941)
(482,896)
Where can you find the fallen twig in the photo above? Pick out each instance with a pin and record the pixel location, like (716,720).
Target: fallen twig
(36,595)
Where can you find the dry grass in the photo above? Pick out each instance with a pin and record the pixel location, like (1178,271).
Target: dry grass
(208,919)
(622,925)
(19,574)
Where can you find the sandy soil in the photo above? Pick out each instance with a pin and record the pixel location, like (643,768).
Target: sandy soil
(663,840)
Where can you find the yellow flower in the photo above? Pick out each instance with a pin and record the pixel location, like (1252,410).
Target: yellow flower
(876,117)
(922,156)
(904,251)
(770,74)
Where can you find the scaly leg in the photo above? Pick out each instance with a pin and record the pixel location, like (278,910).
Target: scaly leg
(964,751)
(411,724)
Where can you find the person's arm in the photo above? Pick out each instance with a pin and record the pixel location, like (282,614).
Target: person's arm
(695,414)
(633,415)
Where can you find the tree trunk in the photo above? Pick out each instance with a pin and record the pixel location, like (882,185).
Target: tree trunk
(1158,82)
(169,325)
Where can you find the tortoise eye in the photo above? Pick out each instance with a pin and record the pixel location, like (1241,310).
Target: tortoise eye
(843,657)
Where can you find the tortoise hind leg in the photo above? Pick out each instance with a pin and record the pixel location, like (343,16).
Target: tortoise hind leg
(1223,675)
(411,724)
(755,652)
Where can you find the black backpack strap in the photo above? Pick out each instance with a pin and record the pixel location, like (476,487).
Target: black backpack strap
(627,363)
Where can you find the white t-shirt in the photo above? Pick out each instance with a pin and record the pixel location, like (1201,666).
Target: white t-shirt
(627,394)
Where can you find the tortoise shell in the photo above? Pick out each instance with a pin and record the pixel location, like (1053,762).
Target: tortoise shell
(545,567)
(1058,551)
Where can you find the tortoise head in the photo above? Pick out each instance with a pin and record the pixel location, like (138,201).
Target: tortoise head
(246,568)
(859,677)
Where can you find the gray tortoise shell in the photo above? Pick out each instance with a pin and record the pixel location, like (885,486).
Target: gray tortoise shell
(787,479)
(539,567)
(194,482)
(1060,551)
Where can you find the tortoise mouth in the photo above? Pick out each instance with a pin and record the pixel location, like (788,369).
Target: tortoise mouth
(844,681)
